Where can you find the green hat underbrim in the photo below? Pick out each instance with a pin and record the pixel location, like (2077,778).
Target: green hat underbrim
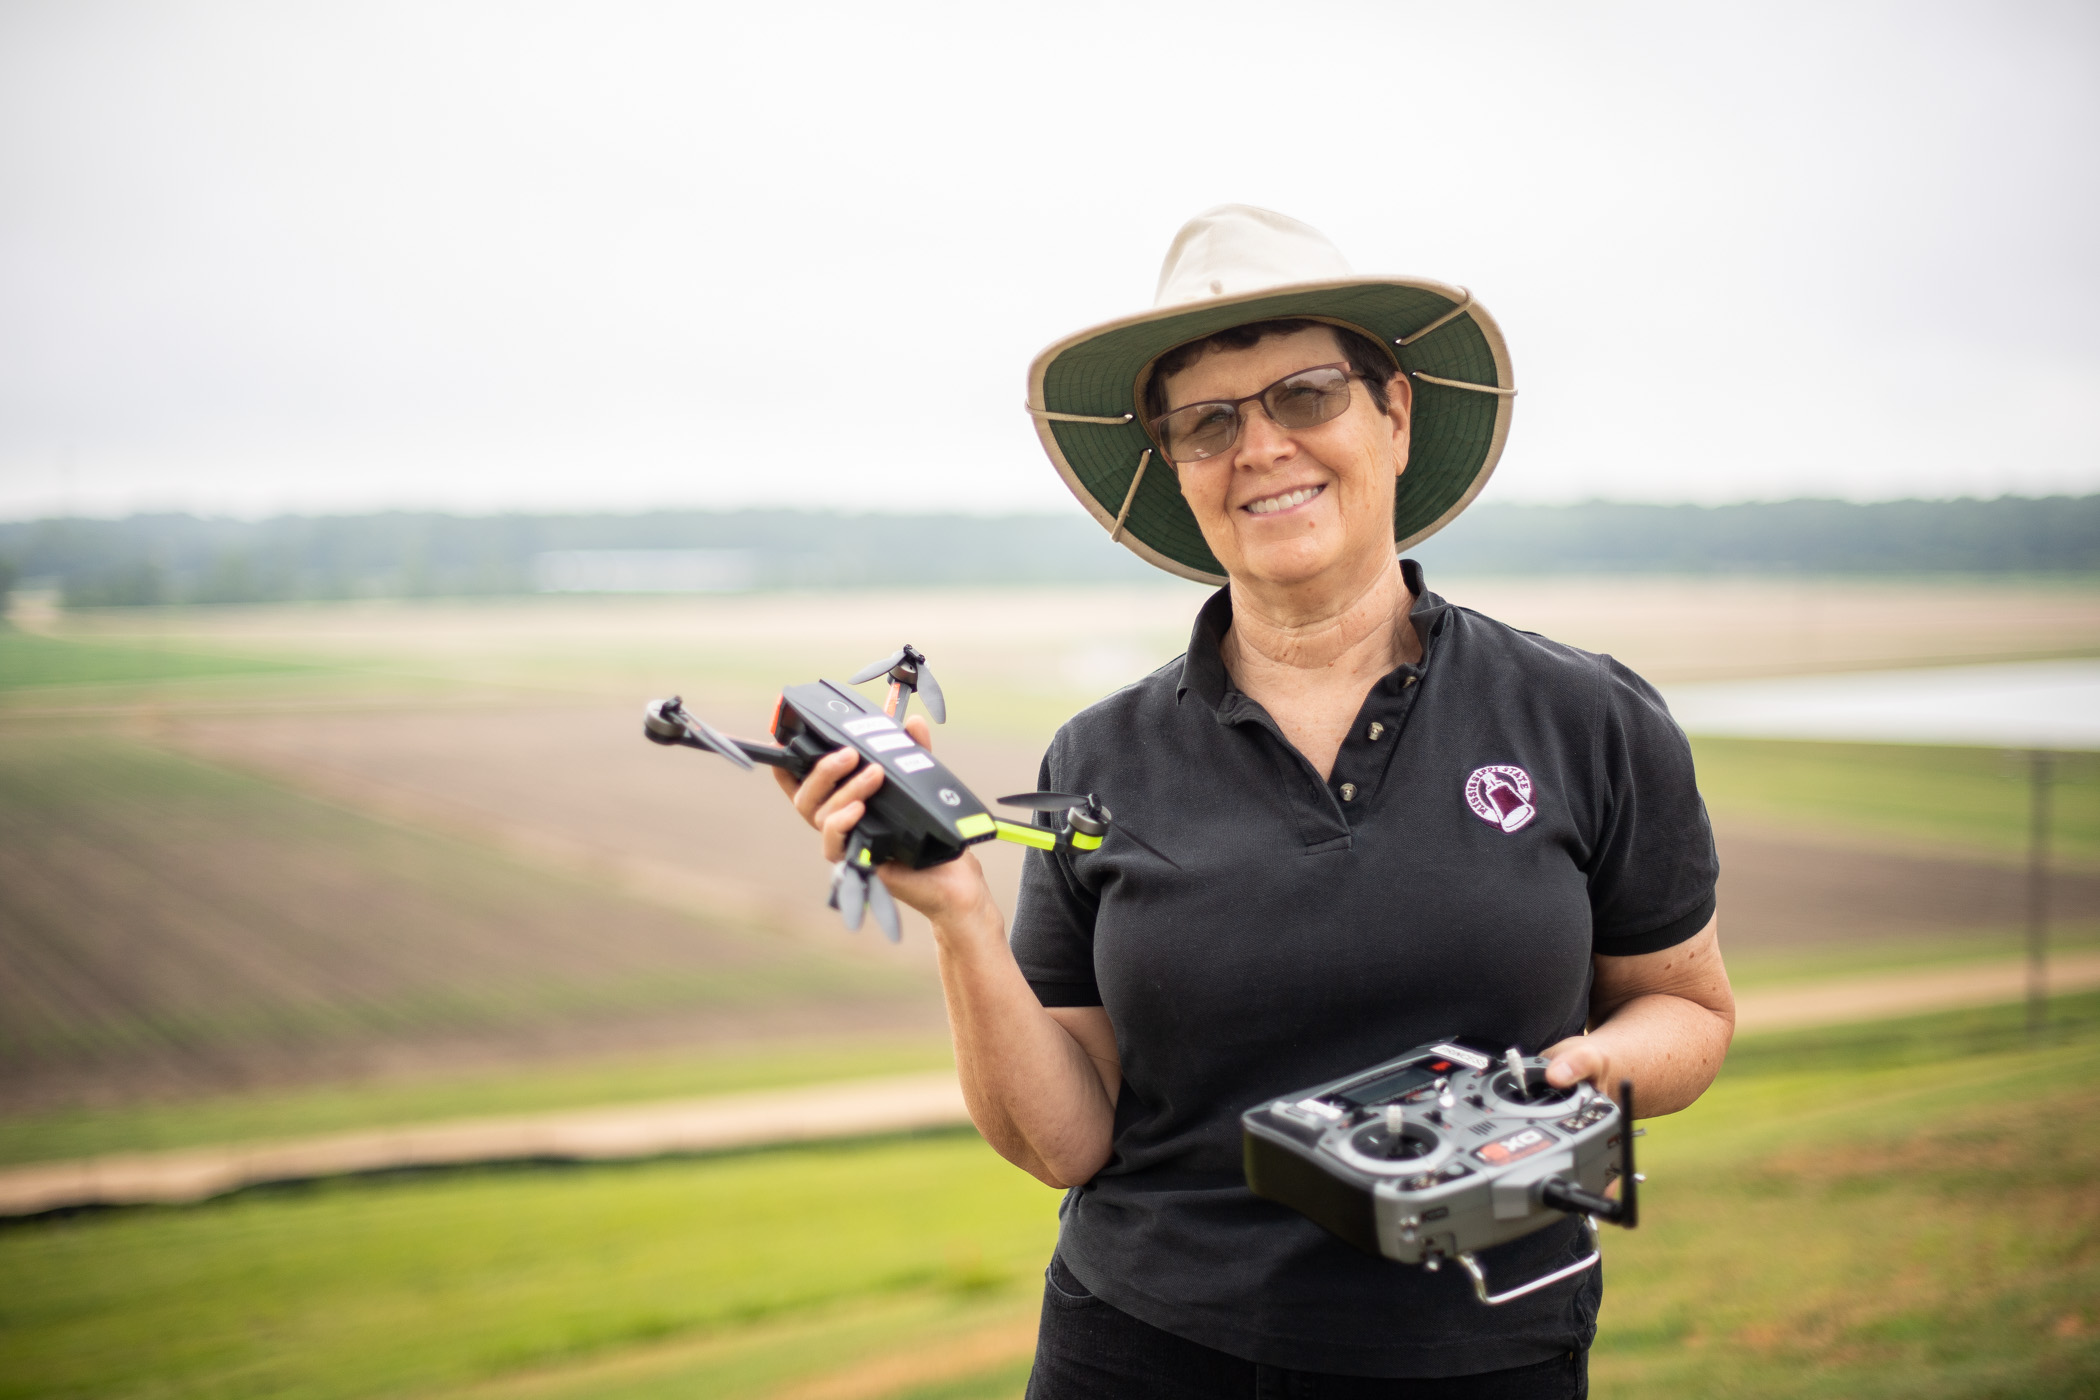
(1457,437)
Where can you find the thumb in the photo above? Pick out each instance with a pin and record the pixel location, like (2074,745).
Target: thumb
(920,731)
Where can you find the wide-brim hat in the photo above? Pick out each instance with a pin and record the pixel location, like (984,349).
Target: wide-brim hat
(1233,265)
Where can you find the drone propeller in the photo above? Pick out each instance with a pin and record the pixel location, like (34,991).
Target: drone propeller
(909,674)
(856,888)
(1088,806)
(1048,801)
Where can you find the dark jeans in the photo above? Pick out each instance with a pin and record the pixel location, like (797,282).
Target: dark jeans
(1088,1350)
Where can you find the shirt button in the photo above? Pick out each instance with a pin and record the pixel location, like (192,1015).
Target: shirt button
(1376,730)
(1409,681)
(1348,792)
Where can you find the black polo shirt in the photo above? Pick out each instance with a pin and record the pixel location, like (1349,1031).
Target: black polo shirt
(1499,813)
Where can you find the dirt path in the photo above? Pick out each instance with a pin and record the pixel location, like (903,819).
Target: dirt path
(858,1108)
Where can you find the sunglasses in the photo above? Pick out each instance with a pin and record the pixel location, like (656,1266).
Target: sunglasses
(1302,400)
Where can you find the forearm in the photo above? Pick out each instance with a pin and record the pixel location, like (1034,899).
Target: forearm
(1670,1047)
(1032,1089)
(1661,1019)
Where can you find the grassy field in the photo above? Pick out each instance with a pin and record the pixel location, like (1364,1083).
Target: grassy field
(1955,799)
(1897,1210)
(196,1120)
(28,660)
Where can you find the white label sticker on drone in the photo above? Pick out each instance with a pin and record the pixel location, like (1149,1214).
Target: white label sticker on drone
(1464,1057)
(857,727)
(914,762)
(883,743)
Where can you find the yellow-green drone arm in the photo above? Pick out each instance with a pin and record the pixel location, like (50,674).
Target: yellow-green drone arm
(1023,835)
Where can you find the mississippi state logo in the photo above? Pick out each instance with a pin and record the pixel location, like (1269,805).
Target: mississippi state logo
(1501,794)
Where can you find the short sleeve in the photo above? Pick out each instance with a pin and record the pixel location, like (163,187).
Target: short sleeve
(1653,867)
(1053,933)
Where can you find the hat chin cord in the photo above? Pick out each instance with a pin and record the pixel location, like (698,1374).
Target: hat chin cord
(1115,531)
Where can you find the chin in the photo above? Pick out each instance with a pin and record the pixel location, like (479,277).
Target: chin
(1299,561)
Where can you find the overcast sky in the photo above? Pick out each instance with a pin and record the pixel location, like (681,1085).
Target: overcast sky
(619,255)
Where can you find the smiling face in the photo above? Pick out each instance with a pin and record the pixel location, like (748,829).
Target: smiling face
(1288,508)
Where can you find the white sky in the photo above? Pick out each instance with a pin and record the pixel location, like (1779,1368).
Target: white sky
(620,255)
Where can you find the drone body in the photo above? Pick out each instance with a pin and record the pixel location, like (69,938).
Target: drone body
(921,816)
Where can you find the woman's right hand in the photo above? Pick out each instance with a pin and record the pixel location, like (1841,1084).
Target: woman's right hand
(834,803)
(1041,1084)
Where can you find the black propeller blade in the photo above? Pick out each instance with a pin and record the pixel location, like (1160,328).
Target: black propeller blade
(1048,801)
(1088,804)
(930,694)
(849,895)
(916,678)
(875,668)
(855,889)
(885,908)
(1143,844)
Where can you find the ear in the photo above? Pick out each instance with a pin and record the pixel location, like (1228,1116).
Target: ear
(1400,409)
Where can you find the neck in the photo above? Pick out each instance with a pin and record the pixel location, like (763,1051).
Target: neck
(1360,630)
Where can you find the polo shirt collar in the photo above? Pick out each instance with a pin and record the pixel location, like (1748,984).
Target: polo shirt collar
(1203,668)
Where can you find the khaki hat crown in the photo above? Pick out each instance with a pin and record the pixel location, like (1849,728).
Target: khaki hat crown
(1237,248)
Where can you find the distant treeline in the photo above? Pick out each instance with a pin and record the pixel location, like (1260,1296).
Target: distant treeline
(184,559)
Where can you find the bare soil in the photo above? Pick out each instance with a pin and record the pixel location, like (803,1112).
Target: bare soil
(1790,892)
(170,926)
(578,779)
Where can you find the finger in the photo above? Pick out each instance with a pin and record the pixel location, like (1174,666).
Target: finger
(824,775)
(856,789)
(920,730)
(838,826)
(1572,1066)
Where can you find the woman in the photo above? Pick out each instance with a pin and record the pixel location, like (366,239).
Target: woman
(1394,821)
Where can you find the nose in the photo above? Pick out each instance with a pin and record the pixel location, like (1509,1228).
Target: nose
(1261,443)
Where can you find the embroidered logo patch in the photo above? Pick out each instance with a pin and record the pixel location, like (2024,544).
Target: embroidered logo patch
(1501,793)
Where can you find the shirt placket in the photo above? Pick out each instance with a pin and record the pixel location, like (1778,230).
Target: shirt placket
(1366,755)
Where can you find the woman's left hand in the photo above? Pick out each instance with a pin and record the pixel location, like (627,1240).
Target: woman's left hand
(1663,1020)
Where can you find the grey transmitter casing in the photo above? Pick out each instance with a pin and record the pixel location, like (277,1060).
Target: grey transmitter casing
(1468,1168)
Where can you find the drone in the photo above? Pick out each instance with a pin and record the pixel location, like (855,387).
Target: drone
(922,815)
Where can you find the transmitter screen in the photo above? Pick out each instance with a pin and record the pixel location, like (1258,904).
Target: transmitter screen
(1386,1087)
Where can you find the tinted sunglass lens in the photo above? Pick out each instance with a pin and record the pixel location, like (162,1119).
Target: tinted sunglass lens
(1306,400)
(1201,430)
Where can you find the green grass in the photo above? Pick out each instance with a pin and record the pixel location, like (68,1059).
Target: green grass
(1900,1209)
(1904,1209)
(1949,797)
(1757,969)
(249,1117)
(27,659)
(414,1284)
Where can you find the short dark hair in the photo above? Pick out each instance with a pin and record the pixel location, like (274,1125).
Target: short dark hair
(1367,358)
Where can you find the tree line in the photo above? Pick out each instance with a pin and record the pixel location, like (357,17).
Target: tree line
(152,559)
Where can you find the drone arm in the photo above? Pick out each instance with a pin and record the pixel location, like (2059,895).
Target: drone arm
(1022,834)
(772,755)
